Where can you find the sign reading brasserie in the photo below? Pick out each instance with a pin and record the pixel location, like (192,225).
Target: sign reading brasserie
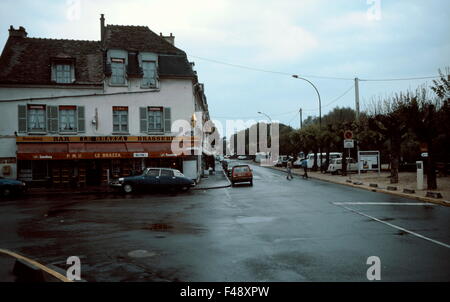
(97,139)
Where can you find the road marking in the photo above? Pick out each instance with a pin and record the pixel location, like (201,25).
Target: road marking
(386,203)
(37,264)
(397,227)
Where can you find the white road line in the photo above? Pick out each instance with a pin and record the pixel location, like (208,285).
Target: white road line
(398,228)
(386,203)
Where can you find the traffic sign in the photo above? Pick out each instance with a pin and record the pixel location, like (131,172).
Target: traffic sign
(348,135)
(349,144)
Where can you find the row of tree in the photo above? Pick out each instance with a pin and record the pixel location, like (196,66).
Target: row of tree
(401,127)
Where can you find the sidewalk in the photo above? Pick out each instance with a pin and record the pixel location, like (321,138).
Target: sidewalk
(216,181)
(379,183)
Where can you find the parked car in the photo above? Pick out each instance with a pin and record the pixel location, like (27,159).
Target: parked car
(335,166)
(9,187)
(298,163)
(282,161)
(241,173)
(242,157)
(225,163)
(152,178)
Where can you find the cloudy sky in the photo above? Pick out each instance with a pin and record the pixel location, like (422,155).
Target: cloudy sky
(329,42)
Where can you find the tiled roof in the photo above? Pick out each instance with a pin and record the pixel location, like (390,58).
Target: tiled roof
(177,66)
(138,38)
(28,60)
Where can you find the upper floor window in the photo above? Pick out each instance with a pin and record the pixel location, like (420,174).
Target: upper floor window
(36,118)
(117,71)
(68,118)
(63,73)
(149,78)
(155,119)
(51,119)
(120,119)
(63,70)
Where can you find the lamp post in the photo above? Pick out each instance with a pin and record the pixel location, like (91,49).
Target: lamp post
(320,111)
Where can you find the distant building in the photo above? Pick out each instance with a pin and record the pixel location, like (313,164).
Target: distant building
(84,112)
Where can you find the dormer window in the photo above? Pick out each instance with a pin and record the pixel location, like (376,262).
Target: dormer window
(117,71)
(63,70)
(63,73)
(149,78)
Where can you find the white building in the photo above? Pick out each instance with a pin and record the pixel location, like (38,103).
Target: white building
(86,111)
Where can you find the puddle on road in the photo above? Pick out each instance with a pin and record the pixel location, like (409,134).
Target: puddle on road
(255,219)
(141,254)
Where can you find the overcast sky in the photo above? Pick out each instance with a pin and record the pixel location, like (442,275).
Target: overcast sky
(368,39)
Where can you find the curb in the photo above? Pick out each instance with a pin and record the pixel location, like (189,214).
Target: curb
(217,187)
(379,190)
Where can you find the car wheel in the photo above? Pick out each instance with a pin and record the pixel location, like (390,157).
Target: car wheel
(6,192)
(339,172)
(184,188)
(127,188)
(251,183)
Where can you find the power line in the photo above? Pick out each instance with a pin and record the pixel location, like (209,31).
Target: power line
(311,76)
(339,97)
(269,71)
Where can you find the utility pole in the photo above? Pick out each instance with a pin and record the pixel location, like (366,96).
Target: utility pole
(357,99)
(301,119)
(357,122)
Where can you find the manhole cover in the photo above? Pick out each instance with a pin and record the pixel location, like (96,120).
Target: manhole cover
(141,254)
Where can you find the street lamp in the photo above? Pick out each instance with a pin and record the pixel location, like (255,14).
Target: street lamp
(262,113)
(320,111)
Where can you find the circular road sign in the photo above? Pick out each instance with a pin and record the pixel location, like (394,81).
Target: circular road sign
(348,134)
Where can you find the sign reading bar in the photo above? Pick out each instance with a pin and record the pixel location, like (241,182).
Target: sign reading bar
(99,139)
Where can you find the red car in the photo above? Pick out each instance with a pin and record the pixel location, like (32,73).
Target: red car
(241,173)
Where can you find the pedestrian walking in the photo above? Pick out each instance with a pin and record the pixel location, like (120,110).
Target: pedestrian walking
(305,168)
(289,169)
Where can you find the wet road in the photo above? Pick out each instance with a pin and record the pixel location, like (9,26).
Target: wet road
(277,230)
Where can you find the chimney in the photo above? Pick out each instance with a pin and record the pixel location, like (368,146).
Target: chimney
(102,28)
(170,39)
(21,32)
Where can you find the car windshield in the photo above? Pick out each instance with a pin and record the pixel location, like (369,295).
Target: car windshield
(241,169)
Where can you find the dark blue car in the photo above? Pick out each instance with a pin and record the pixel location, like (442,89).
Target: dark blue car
(9,187)
(154,178)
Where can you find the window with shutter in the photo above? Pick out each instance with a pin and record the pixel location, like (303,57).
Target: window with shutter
(52,119)
(81,119)
(167,120)
(143,116)
(22,110)
(36,118)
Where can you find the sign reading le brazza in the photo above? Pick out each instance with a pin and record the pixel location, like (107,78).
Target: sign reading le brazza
(96,139)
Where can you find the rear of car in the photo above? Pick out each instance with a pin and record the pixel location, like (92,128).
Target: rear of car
(241,173)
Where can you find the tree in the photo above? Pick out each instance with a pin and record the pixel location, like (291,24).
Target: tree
(389,120)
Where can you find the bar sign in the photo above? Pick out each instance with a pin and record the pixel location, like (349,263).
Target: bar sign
(140,155)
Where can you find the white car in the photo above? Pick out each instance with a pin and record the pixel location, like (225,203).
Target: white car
(242,157)
(335,166)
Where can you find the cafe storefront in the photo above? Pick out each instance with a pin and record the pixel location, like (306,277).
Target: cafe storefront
(80,161)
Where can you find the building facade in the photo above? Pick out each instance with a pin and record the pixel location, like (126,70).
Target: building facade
(84,112)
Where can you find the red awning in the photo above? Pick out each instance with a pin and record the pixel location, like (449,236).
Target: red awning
(134,147)
(42,148)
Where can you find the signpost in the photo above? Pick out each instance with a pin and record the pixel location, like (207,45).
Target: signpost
(349,143)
